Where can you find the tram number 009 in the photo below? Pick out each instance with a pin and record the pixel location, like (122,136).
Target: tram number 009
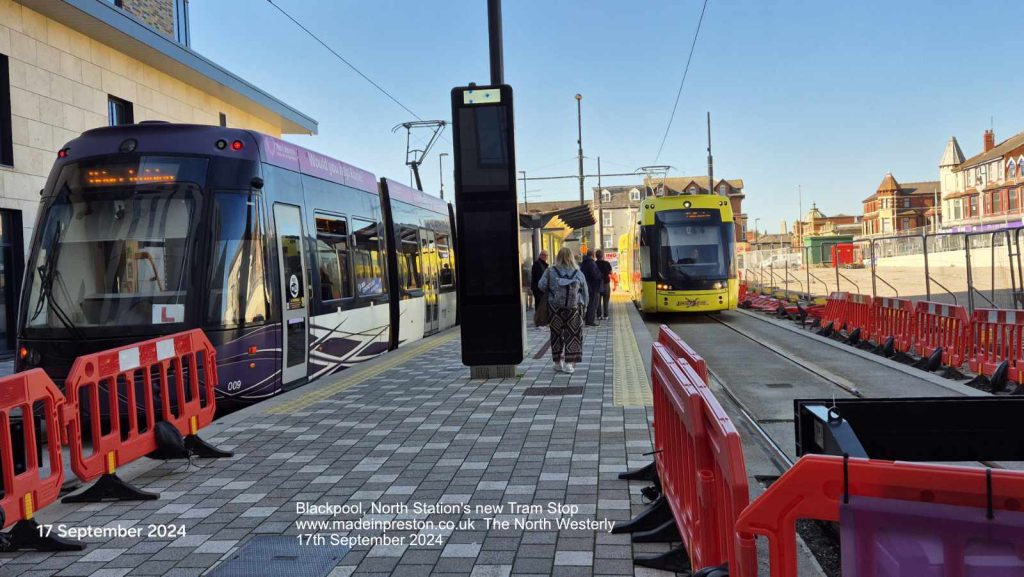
(234,385)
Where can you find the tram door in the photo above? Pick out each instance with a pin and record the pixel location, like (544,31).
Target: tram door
(430,281)
(294,295)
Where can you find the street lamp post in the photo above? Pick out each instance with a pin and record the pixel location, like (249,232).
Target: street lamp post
(440,167)
(579,142)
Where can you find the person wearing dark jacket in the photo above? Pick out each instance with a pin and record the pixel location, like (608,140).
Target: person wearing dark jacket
(539,266)
(605,268)
(593,275)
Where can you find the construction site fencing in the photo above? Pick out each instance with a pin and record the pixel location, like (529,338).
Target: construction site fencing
(969,269)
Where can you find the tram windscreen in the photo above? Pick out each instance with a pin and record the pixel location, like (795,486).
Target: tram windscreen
(115,244)
(693,245)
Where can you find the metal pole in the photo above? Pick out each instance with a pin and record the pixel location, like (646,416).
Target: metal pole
(927,275)
(494,35)
(600,208)
(526,203)
(440,167)
(711,162)
(579,140)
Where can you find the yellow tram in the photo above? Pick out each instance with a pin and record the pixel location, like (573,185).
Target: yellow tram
(683,252)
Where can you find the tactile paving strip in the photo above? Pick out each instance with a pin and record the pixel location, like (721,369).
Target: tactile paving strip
(629,378)
(390,361)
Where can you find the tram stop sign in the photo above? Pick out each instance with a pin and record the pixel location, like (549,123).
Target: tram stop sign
(487,226)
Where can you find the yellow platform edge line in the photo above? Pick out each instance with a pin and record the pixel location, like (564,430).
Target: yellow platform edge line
(392,360)
(629,378)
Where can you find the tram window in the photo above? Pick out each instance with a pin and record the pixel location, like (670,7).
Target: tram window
(332,257)
(238,292)
(444,254)
(368,266)
(408,260)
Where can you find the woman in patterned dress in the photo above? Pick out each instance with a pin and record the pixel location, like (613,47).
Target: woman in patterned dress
(566,290)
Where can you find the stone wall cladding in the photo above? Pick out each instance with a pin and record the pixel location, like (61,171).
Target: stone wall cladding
(60,80)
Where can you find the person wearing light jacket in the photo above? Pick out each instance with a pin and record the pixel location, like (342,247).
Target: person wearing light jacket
(567,295)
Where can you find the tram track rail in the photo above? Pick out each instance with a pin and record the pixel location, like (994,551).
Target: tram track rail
(778,456)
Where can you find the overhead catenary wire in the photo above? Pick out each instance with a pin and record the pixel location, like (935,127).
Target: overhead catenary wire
(343,59)
(679,92)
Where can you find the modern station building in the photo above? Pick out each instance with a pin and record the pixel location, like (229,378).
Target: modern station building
(67,66)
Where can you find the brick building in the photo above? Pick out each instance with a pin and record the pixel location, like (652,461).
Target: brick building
(900,208)
(72,65)
(985,190)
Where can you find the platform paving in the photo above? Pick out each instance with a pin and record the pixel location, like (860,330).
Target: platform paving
(412,429)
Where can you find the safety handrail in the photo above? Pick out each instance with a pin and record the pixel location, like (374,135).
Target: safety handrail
(894,289)
(855,285)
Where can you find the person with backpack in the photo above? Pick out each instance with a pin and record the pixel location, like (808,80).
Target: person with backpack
(567,297)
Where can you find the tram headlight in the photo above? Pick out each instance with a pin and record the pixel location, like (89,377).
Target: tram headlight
(664,287)
(716,286)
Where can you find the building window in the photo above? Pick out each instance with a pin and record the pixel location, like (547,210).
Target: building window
(606,196)
(607,218)
(181,27)
(906,224)
(692,190)
(6,133)
(724,189)
(974,206)
(1012,204)
(120,111)
(609,242)
(956,210)
(906,203)
(997,201)
(634,195)
(223,119)
(1011,170)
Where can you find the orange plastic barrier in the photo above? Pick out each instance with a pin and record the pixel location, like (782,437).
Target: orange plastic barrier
(998,336)
(835,310)
(30,397)
(941,325)
(895,318)
(700,465)
(681,350)
(678,436)
(132,379)
(724,492)
(813,489)
(860,314)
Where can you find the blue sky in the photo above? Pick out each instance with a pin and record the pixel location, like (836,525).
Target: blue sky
(824,94)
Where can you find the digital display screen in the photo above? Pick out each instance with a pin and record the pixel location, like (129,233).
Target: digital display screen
(484,96)
(145,170)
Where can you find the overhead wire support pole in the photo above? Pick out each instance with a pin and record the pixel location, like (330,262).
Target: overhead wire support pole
(711,162)
(495,42)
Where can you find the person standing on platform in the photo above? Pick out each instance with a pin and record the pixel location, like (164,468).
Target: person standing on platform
(540,303)
(605,268)
(593,276)
(565,289)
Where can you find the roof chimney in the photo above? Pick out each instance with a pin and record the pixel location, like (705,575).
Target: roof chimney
(990,140)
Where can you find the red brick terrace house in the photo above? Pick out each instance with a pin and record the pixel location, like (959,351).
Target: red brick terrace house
(986,190)
(900,208)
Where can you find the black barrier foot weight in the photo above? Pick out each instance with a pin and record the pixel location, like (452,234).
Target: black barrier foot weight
(645,473)
(652,492)
(720,571)
(27,534)
(667,532)
(110,487)
(204,450)
(652,517)
(675,560)
(827,330)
